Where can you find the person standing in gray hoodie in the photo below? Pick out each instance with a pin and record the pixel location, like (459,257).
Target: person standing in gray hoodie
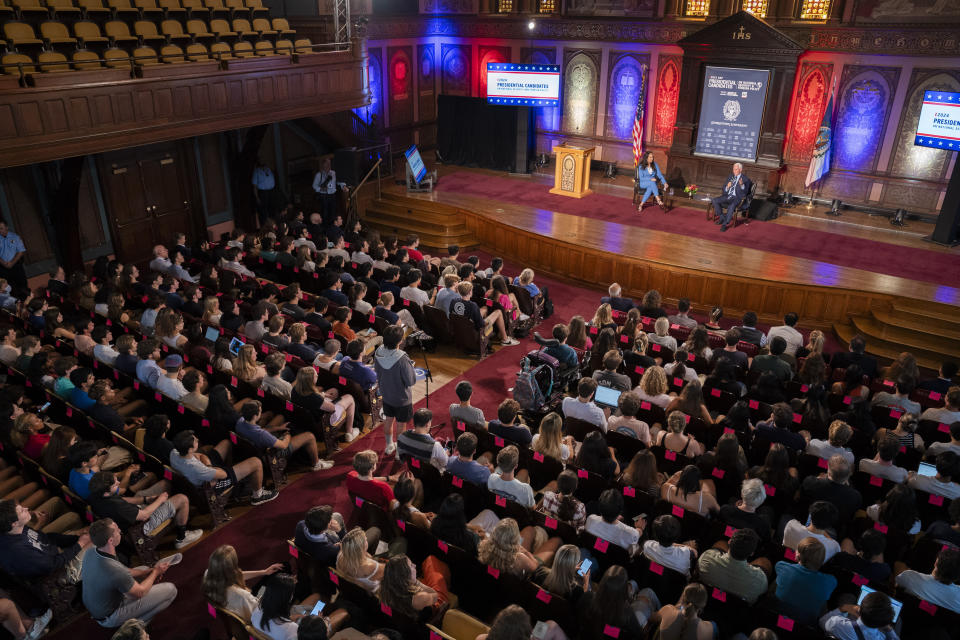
(396,378)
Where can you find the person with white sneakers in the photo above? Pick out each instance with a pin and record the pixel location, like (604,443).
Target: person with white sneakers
(396,377)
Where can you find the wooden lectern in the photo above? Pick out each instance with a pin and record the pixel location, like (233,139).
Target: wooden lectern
(573,171)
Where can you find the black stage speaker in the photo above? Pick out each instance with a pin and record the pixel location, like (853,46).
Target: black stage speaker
(763,209)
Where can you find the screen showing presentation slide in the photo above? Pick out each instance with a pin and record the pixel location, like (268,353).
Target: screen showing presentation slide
(528,85)
(731,112)
(417,167)
(939,124)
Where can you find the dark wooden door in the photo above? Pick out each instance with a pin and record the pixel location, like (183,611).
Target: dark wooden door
(146,192)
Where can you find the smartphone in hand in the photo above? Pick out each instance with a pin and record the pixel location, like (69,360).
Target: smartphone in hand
(584,567)
(317,608)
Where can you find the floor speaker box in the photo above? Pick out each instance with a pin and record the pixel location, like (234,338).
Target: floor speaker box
(763,209)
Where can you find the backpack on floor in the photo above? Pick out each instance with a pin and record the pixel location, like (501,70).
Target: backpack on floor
(529,390)
(547,304)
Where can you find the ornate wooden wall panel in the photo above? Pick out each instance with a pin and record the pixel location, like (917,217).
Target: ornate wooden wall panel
(41,124)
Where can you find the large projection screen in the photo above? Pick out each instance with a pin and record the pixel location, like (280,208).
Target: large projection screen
(731,112)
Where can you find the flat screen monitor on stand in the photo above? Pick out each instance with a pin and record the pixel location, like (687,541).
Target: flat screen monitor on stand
(418,179)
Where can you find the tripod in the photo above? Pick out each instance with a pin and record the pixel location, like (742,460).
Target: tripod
(428,378)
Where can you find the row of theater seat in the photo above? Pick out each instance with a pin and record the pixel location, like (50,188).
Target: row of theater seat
(84,60)
(22,36)
(34,9)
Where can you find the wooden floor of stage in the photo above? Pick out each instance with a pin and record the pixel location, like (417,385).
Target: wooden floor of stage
(700,254)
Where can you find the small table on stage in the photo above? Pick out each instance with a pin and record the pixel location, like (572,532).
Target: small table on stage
(573,171)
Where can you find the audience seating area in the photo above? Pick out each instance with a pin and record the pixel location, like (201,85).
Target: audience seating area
(74,35)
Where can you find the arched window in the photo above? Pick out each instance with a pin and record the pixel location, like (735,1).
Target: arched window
(908,159)
(697,8)
(756,7)
(815,9)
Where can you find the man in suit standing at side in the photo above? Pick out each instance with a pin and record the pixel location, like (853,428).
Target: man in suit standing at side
(737,188)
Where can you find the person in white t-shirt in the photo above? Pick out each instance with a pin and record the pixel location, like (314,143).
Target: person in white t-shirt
(949,412)
(502,481)
(943,483)
(609,525)
(413,292)
(582,407)
(938,587)
(888,446)
(835,444)
(823,516)
(787,331)
(664,546)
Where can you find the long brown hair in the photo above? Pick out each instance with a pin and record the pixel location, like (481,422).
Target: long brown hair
(577,332)
(223,572)
(398,587)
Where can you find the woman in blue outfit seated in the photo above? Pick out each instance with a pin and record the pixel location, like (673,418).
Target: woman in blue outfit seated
(648,173)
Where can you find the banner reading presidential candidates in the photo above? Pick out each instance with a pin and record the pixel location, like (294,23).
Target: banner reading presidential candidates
(731,112)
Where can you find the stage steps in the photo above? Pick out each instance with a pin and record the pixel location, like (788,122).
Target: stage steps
(926,330)
(438,225)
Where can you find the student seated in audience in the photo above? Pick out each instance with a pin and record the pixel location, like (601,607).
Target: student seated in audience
(564,354)
(680,367)
(823,520)
(906,432)
(625,421)
(944,483)
(674,438)
(464,466)
(255,329)
(463,410)
(682,316)
(211,466)
(614,604)
(128,349)
(773,362)
(247,368)
(687,489)
(577,337)
(490,322)
(273,382)
(329,359)
(900,399)
(608,523)
(401,591)
(83,341)
(342,409)
(949,413)
(802,590)
(225,584)
(852,385)
(62,368)
(114,594)
(29,346)
(147,370)
(412,291)
(561,503)
(355,562)
(614,299)
(151,510)
(550,440)
(690,402)
(904,366)
(662,335)
(944,380)
(653,387)
(777,428)
(865,557)
(882,465)
(103,351)
(597,457)
(320,533)
(353,368)
(938,587)
(698,343)
(361,481)
(298,345)
(27,552)
(508,423)
(274,336)
(582,407)
(664,546)
(947,530)
(608,376)
(872,618)
(30,435)
(789,333)
(562,578)
(731,570)
(285,445)
(54,325)
(603,319)
(525,281)
(834,487)
(503,481)
(730,353)
(746,513)
(418,443)
(835,444)
(170,383)
(276,615)
(195,383)
(230,318)
(508,550)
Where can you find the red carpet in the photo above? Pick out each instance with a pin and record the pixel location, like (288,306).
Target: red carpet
(845,251)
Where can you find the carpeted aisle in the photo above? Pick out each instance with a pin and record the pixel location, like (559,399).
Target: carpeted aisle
(845,251)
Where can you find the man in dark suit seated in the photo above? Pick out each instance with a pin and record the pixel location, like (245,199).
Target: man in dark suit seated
(614,299)
(737,188)
(856,355)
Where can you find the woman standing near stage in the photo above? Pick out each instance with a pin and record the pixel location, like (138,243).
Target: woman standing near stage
(648,173)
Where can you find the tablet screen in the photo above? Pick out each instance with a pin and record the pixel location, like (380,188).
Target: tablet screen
(607,396)
(212,334)
(896,604)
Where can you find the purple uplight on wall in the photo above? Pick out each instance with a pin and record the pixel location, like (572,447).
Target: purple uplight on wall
(624,91)
(860,123)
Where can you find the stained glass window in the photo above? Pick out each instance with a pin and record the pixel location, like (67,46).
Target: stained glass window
(815,9)
(756,7)
(697,7)
(504,6)
(548,6)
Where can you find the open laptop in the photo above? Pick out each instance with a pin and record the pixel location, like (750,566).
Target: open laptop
(607,397)
(927,469)
(896,604)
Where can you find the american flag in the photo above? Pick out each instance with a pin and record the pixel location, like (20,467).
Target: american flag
(638,119)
